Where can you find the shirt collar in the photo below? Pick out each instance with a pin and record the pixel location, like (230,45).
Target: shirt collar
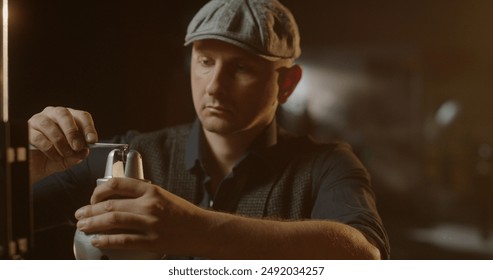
(194,151)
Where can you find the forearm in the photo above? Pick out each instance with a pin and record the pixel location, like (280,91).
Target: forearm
(172,225)
(234,237)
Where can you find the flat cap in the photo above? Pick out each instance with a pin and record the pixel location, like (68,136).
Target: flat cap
(263,27)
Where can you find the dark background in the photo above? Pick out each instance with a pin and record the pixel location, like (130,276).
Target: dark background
(379,74)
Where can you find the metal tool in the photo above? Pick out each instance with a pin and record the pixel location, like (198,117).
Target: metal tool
(95,146)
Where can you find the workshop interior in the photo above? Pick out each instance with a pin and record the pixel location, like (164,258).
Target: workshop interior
(407,83)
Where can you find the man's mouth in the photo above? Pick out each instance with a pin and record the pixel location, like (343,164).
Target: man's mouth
(217,108)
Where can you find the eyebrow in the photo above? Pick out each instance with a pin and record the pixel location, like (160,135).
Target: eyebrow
(240,55)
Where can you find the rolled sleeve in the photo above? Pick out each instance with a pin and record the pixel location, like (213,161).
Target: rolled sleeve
(342,192)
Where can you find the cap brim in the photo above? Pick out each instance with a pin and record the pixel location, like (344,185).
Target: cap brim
(198,37)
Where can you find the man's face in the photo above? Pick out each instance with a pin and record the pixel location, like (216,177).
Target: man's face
(233,90)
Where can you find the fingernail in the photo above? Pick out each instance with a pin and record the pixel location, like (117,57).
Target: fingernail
(81,224)
(91,137)
(95,240)
(79,214)
(77,144)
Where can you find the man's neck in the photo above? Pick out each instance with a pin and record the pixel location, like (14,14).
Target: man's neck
(226,150)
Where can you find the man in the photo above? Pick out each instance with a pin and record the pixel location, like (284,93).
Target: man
(230,186)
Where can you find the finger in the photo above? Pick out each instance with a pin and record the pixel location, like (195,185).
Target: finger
(64,118)
(116,222)
(126,241)
(86,124)
(45,134)
(123,187)
(44,145)
(107,206)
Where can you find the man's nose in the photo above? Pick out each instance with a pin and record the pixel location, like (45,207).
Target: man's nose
(219,81)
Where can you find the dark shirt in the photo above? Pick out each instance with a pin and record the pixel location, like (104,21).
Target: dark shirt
(340,185)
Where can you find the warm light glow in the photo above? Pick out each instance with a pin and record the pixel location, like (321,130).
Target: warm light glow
(4,74)
(5,12)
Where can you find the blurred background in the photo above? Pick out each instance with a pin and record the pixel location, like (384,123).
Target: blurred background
(407,83)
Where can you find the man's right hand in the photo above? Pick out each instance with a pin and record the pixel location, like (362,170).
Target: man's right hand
(61,136)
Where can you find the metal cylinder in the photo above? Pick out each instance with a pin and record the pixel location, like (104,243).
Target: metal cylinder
(118,164)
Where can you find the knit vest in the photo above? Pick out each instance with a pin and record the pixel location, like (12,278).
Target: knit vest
(285,194)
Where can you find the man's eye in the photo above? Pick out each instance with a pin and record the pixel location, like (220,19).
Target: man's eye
(242,67)
(205,61)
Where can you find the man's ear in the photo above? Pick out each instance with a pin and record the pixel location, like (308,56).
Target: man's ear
(289,78)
